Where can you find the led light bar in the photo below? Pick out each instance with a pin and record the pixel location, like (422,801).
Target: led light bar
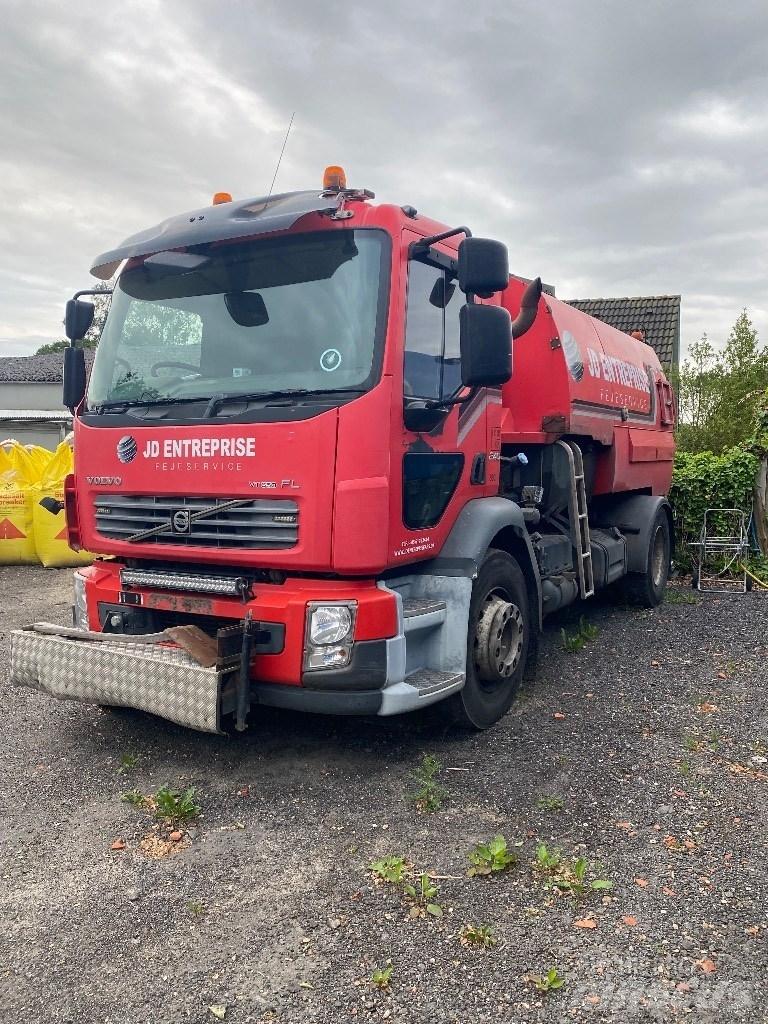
(230,586)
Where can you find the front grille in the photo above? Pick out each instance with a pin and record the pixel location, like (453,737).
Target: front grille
(261,523)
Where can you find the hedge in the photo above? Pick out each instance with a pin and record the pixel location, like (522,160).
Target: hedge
(703,480)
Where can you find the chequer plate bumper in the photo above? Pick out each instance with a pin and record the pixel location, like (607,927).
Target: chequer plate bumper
(163,680)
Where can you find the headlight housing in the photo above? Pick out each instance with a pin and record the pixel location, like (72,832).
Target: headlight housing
(80,607)
(329,624)
(330,634)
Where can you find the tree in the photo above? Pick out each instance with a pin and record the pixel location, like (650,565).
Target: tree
(744,377)
(53,346)
(101,304)
(719,393)
(697,394)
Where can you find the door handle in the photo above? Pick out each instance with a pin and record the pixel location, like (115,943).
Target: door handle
(477,474)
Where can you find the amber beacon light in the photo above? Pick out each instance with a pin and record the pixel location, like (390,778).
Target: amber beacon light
(334,179)
(221,197)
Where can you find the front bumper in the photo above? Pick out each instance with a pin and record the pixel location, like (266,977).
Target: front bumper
(165,681)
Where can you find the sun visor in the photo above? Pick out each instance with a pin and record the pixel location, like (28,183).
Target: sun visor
(213,223)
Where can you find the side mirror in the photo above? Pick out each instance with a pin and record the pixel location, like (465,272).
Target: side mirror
(483,266)
(74,375)
(78,318)
(485,338)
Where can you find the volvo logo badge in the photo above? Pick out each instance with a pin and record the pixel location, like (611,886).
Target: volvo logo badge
(181,520)
(126,449)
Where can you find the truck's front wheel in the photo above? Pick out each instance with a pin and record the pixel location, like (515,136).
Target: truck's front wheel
(497,643)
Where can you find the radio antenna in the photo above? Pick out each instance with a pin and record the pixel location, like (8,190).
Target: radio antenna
(285,140)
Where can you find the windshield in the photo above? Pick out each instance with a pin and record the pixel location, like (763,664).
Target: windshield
(301,312)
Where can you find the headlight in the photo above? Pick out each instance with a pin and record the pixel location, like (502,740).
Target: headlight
(79,608)
(329,624)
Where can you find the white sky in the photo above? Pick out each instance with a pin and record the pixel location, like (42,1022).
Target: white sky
(617,148)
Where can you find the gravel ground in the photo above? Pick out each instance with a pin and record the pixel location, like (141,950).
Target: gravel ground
(652,740)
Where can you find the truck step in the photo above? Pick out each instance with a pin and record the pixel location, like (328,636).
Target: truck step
(426,680)
(422,613)
(421,606)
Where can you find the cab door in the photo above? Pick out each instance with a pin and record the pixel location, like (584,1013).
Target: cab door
(443,456)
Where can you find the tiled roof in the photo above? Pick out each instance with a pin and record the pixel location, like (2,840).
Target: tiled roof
(657,315)
(45,369)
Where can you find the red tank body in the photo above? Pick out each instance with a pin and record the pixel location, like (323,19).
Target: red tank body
(578,377)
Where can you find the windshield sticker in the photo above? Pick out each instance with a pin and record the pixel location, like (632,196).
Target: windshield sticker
(330,360)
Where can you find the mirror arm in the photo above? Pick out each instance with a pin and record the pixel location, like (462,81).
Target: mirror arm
(422,247)
(89,291)
(448,403)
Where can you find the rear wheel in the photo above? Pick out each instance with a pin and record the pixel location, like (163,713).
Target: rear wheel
(497,643)
(647,588)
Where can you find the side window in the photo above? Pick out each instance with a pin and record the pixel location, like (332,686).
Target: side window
(432,315)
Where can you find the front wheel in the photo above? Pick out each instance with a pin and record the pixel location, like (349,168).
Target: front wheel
(647,588)
(497,643)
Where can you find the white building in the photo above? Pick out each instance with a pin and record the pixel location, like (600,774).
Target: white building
(30,399)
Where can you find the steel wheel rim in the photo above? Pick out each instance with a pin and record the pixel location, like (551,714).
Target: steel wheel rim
(498,641)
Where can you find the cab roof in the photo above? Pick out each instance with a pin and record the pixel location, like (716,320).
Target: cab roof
(225,220)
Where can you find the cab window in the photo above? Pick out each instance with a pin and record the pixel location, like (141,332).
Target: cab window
(432,366)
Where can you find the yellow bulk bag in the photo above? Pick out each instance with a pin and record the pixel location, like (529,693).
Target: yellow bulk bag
(51,530)
(39,457)
(17,542)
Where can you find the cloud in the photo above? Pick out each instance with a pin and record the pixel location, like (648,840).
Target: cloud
(616,148)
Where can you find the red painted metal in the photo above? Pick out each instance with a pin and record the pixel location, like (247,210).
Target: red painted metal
(285,603)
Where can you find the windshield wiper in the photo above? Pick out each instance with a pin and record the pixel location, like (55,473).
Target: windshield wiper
(260,396)
(218,400)
(132,403)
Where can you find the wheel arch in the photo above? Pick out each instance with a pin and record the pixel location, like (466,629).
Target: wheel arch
(634,515)
(496,522)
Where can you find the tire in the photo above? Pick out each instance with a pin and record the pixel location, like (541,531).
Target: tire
(646,589)
(498,641)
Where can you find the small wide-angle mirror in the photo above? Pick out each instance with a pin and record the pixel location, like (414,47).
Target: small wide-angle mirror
(442,292)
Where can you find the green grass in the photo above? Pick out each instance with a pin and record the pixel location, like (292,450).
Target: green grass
(431,795)
(567,876)
(390,869)
(382,976)
(134,798)
(127,763)
(477,935)
(491,858)
(676,595)
(550,803)
(549,982)
(175,805)
(573,642)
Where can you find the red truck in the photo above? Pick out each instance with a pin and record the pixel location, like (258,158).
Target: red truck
(345,443)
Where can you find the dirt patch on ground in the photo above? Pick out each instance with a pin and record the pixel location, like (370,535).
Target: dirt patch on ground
(644,753)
